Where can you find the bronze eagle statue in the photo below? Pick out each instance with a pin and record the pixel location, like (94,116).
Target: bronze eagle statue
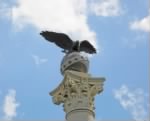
(63,41)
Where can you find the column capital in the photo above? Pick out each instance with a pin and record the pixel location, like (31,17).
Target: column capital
(77,91)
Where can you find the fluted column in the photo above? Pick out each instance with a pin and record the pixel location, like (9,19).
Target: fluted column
(77,92)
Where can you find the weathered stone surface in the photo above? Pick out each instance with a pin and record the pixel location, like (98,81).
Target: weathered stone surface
(75,61)
(77,91)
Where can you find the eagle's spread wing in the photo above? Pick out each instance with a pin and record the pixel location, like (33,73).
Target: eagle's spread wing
(87,47)
(60,39)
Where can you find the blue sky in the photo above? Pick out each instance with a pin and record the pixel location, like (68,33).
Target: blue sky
(30,66)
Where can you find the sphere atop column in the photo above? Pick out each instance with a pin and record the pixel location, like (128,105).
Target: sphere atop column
(75,61)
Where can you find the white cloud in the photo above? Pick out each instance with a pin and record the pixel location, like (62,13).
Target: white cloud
(107,8)
(10,105)
(38,61)
(142,25)
(67,16)
(135,101)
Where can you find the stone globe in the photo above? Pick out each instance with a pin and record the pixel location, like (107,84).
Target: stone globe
(75,61)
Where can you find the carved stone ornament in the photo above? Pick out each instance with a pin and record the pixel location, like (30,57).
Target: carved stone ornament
(75,61)
(77,91)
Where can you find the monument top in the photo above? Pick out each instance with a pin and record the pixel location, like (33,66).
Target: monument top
(77,90)
(74,59)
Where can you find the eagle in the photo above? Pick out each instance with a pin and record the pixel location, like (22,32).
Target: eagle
(68,45)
